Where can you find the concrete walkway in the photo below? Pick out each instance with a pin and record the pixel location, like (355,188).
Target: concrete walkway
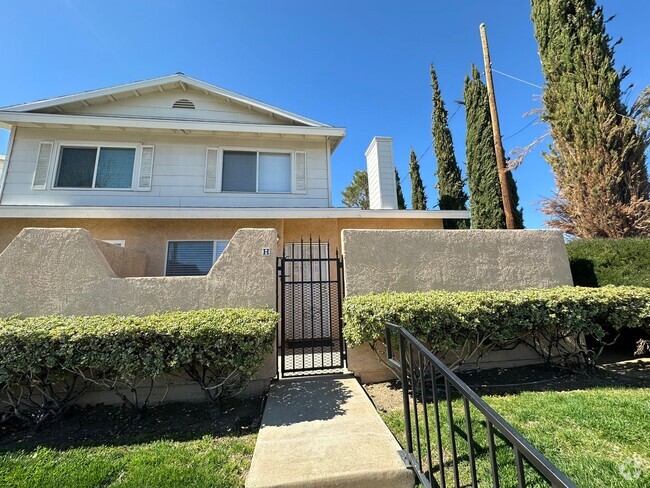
(324,432)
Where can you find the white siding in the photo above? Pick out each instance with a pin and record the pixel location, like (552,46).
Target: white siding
(159,104)
(381,174)
(178,172)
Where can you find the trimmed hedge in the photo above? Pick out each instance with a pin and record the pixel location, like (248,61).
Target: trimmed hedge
(620,262)
(474,322)
(44,356)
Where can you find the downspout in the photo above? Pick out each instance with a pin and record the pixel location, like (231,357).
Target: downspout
(328,157)
(5,169)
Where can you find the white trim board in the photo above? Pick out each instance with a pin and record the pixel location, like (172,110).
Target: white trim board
(41,211)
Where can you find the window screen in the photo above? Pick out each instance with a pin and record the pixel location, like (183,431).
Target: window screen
(275,172)
(115,168)
(239,170)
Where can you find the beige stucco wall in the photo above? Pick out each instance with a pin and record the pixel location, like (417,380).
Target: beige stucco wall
(46,271)
(150,236)
(64,271)
(454,260)
(124,262)
(420,260)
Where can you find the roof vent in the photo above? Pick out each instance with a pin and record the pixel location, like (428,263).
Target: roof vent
(183,103)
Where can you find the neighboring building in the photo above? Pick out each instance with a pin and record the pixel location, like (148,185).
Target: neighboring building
(173,166)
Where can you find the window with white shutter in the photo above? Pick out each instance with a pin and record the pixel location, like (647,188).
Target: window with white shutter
(42,165)
(212,172)
(300,172)
(146,168)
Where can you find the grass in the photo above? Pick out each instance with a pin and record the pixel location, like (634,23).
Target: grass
(208,461)
(174,445)
(589,434)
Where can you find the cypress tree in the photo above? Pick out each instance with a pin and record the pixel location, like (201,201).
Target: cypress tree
(401,204)
(486,203)
(418,197)
(357,193)
(451,194)
(598,150)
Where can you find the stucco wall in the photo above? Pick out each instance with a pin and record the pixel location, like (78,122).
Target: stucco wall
(124,262)
(151,236)
(63,271)
(46,271)
(421,260)
(454,260)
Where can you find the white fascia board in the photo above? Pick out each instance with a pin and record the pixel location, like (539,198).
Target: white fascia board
(9,118)
(176,78)
(41,211)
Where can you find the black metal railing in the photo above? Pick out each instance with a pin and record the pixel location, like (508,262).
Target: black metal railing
(434,387)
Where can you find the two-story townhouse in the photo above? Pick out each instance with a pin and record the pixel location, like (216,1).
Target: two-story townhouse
(173,166)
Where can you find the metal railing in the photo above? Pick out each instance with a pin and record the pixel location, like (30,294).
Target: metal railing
(423,373)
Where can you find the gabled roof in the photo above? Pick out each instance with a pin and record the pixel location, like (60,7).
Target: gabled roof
(105,95)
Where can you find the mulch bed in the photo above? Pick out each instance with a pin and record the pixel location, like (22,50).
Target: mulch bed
(387,396)
(109,425)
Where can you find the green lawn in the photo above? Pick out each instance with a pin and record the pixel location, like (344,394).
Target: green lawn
(589,434)
(205,462)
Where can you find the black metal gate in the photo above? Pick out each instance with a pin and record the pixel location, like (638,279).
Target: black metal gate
(310,292)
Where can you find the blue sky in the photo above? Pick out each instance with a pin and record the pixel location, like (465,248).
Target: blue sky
(360,65)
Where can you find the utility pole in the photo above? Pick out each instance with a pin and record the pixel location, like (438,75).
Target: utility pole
(496,133)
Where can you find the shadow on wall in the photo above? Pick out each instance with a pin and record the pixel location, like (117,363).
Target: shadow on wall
(66,271)
(584,273)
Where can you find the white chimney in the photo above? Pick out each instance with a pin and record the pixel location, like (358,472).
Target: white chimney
(381,173)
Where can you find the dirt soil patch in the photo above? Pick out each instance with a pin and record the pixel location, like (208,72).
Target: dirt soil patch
(387,396)
(109,425)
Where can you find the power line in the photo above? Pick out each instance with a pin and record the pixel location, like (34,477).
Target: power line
(517,79)
(521,130)
(431,144)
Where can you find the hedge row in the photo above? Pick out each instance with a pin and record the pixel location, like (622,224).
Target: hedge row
(56,356)
(620,262)
(544,318)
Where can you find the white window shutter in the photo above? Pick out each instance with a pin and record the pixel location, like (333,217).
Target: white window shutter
(146,169)
(300,172)
(42,165)
(212,169)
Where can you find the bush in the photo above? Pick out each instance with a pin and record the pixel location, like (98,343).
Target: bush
(47,362)
(620,262)
(466,325)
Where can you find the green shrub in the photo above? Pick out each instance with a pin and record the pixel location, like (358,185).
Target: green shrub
(620,262)
(43,360)
(554,321)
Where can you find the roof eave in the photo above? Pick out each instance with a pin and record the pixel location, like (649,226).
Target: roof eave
(12,118)
(176,78)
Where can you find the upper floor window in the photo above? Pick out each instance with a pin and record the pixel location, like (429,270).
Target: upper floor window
(256,171)
(95,167)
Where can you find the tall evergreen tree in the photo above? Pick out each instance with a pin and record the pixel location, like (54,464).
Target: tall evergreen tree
(451,194)
(401,204)
(598,150)
(357,193)
(418,196)
(486,203)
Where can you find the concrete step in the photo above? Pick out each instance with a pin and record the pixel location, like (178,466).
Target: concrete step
(324,432)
